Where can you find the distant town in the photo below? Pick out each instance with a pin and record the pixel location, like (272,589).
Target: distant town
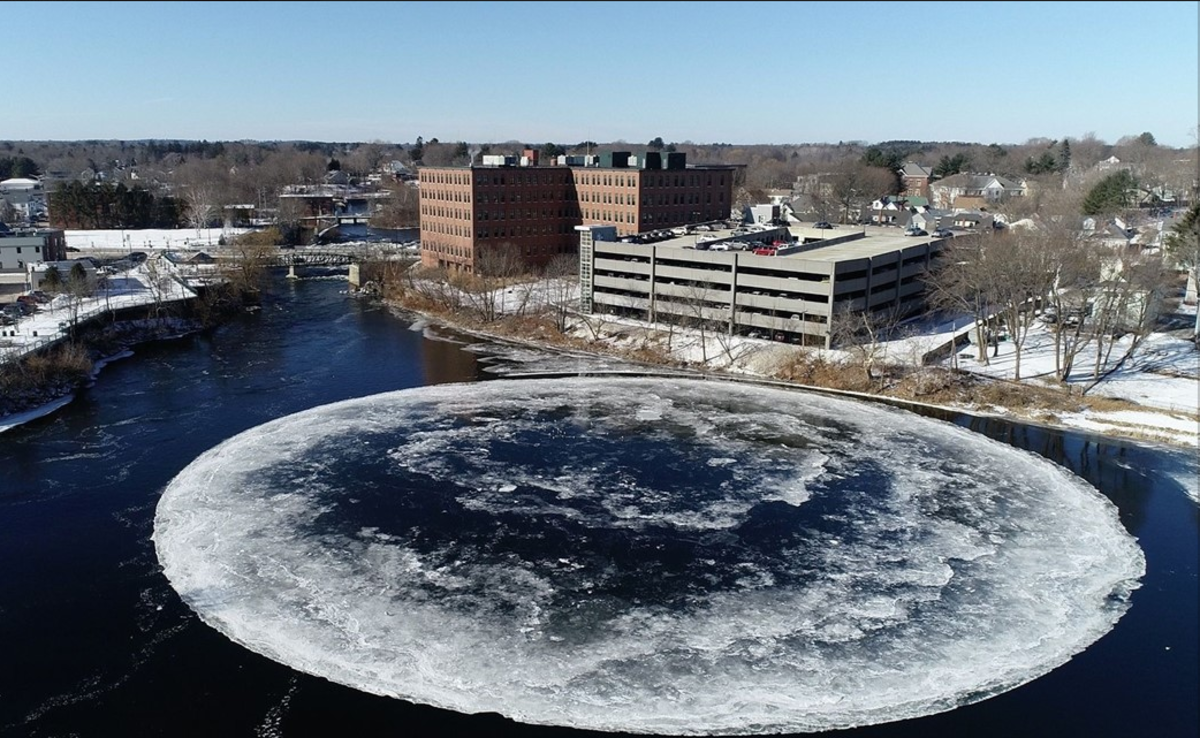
(818,245)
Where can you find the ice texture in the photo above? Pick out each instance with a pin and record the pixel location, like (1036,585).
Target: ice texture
(646,555)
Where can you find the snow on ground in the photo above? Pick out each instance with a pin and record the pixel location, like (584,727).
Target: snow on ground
(138,286)
(149,238)
(1163,375)
(1163,372)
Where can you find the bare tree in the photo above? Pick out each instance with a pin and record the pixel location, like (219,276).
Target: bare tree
(863,335)
(735,348)
(202,205)
(562,284)
(1066,305)
(77,288)
(1125,309)
(158,280)
(854,183)
(249,262)
(495,269)
(1021,270)
(400,210)
(437,286)
(959,282)
(705,306)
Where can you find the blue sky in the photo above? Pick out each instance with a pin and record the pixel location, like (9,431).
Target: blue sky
(564,72)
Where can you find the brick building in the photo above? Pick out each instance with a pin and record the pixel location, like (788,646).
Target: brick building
(519,205)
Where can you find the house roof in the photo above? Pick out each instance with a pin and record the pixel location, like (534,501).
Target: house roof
(912,169)
(19,183)
(974,182)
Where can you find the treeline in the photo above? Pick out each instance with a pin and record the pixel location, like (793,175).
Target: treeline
(156,150)
(105,206)
(18,166)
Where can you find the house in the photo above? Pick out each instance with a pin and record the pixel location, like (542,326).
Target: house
(778,196)
(816,185)
(915,179)
(974,191)
(931,219)
(240,215)
(975,221)
(802,208)
(765,213)
(889,210)
(192,265)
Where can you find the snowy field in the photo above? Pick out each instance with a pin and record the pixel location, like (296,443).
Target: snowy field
(148,239)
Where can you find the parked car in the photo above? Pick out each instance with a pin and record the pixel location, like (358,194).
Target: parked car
(943,233)
(823,224)
(915,232)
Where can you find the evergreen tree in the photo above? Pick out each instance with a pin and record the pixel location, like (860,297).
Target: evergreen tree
(891,158)
(52,280)
(1111,194)
(19,166)
(1044,164)
(77,281)
(1182,244)
(1064,156)
(949,165)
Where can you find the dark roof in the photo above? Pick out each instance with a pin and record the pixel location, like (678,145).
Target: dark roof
(912,169)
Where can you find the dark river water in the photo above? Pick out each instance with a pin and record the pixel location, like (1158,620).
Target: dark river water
(94,641)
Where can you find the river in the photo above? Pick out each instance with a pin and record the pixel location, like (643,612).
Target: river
(96,642)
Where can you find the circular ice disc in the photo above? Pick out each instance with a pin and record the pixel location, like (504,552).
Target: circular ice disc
(646,555)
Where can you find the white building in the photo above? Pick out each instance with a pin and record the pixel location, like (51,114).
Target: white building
(26,196)
(36,273)
(22,247)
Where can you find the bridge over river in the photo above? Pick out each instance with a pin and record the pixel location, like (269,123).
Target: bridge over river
(296,259)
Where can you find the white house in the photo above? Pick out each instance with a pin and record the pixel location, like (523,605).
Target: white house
(890,210)
(970,191)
